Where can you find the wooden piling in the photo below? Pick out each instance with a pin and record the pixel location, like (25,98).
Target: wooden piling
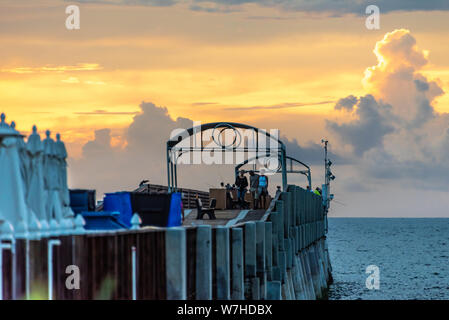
(175,240)
(237,267)
(274,290)
(250,259)
(222,264)
(260,258)
(204,262)
(268,249)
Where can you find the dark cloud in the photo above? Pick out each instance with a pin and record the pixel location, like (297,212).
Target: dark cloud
(424,112)
(331,8)
(346,103)
(411,173)
(369,129)
(311,153)
(421,85)
(336,8)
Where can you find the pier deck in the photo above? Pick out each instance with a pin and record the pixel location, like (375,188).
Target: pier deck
(223,217)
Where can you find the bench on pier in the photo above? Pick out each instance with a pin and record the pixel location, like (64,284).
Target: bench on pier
(202,211)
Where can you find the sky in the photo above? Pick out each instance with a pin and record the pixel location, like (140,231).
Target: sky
(137,69)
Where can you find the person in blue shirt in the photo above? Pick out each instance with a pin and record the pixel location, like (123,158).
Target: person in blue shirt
(262,189)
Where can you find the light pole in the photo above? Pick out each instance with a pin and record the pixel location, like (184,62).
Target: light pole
(328,176)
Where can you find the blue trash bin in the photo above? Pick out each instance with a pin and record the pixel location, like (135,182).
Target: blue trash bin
(119,202)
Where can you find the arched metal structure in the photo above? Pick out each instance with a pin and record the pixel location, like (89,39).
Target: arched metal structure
(289,160)
(261,143)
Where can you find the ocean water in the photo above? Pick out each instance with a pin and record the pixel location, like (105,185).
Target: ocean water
(412,256)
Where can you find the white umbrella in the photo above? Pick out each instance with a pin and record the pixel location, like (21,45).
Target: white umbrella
(61,156)
(51,186)
(24,159)
(13,207)
(36,193)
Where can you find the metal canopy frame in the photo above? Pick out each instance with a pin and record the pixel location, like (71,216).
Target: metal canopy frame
(289,160)
(175,149)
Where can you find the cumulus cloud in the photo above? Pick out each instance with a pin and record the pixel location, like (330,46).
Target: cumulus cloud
(395,131)
(139,152)
(397,80)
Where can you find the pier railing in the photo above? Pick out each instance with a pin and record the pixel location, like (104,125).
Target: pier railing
(188,195)
(281,256)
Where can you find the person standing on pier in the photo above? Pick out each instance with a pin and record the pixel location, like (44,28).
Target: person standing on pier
(262,189)
(241,183)
(253,185)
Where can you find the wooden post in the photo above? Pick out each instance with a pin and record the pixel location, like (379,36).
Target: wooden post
(250,258)
(274,290)
(237,283)
(314,272)
(222,263)
(308,275)
(287,213)
(280,210)
(268,249)
(203,274)
(260,257)
(276,273)
(175,261)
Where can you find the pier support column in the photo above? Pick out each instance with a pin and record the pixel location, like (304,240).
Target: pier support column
(268,249)
(276,273)
(308,274)
(281,217)
(260,258)
(274,290)
(302,290)
(322,268)
(250,259)
(314,269)
(237,282)
(222,263)
(319,270)
(283,269)
(289,264)
(175,261)
(203,273)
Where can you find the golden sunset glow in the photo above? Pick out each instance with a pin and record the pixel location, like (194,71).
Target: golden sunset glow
(199,65)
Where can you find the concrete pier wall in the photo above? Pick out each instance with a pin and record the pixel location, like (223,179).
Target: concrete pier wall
(282,256)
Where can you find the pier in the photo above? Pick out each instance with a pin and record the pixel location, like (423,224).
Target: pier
(278,252)
(282,255)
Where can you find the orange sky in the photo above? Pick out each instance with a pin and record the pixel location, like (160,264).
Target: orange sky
(198,65)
